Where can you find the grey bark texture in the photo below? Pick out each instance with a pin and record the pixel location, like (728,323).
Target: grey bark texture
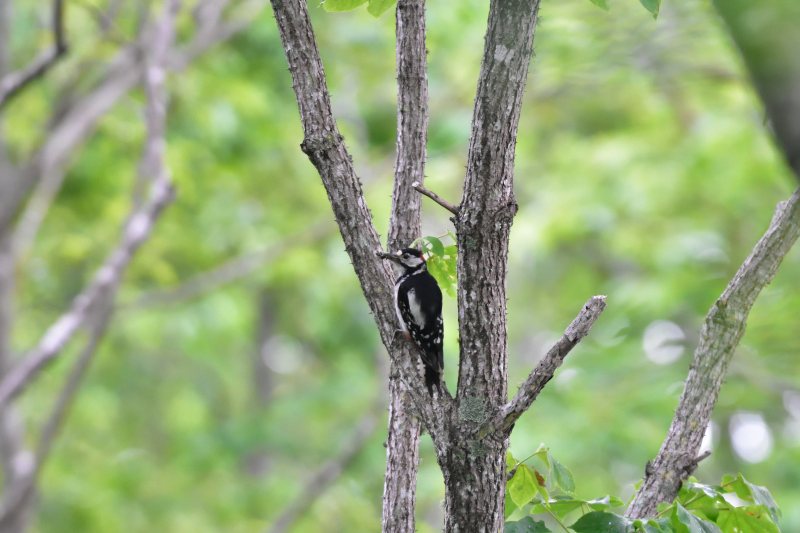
(402,443)
(324,146)
(543,373)
(473,467)
(766,34)
(722,330)
(472,463)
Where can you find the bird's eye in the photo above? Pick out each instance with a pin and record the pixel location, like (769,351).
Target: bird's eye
(405,256)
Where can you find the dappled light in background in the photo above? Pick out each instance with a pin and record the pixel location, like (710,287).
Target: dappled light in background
(644,171)
(751,437)
(659,342)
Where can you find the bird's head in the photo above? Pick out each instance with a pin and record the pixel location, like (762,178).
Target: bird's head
(407,258)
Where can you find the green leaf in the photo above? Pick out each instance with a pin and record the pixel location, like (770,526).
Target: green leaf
(510,461)
(654,526)
(523,486)
(563,477)
(451,250)
(377,8)
(526,525)
(543,455)
(652,6)
(751,519)
(693,523)
(436,246)
(708,490)
(598,504)
(613,501)
(600,522)
(762,496)
(561,507)
(510,506)
(342,5)
(603,4)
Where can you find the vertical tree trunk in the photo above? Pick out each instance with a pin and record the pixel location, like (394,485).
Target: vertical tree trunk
(473,465)
(475,481)
(402,445)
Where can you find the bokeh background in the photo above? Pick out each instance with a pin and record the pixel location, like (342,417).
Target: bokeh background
(644,171)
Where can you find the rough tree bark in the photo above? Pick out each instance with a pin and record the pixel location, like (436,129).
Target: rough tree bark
(722,330)
(766,33)
(402,444)
(470,447)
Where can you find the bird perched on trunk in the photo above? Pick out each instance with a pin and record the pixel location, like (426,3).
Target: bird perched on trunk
(418,302)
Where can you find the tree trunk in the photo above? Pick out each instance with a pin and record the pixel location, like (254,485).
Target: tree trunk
(475,482)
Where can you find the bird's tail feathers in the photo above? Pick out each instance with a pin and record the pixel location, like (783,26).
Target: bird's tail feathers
(433,377)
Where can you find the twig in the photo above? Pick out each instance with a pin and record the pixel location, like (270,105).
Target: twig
(544,371)
(11,84)
(137,229)
(328,473)
(435,197)
(78,122)
(23,488)
(722,330)
(227,272)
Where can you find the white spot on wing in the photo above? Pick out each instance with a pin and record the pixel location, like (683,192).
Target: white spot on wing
(416,309)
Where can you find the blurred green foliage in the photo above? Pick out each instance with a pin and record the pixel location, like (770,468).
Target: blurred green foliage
(643,172)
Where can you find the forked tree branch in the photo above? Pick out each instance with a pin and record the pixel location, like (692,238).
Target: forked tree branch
(77,123)
(324,146)
(544,371)
(402,444)
(722,330)
(12,83)
(102,291)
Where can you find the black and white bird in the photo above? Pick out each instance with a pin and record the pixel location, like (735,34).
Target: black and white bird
(418,302)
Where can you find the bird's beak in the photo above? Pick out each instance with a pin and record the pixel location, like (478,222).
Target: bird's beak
(391,257)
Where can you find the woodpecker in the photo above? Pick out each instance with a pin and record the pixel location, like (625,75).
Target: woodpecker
(418,302)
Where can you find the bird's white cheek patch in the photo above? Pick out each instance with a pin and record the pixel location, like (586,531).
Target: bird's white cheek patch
(416,309)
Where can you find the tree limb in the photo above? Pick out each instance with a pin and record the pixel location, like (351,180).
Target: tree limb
(324,146)
(435,197)
(102,291)
(12,83)
(722,330)
(78,122)
(544,371)
(402,445)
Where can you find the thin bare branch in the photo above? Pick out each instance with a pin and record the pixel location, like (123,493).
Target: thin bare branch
(102,291)
(18,495)
(78,122)
(435,197)
(544,371)
(12,83)
(722,330)
(229,271)
(328,473)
